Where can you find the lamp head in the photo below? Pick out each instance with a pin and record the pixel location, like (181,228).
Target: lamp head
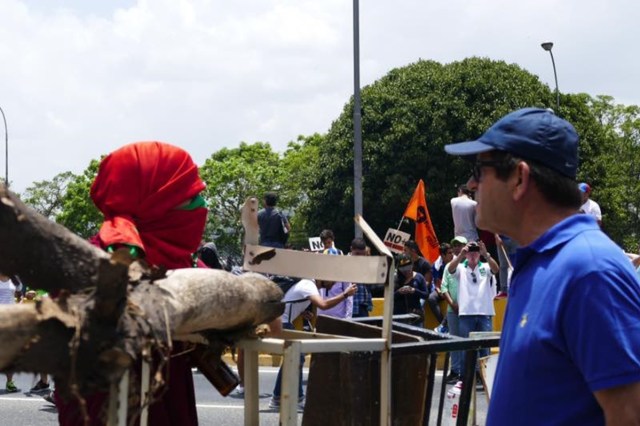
(547,46)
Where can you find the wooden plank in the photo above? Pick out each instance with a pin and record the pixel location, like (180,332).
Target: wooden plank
(357,269)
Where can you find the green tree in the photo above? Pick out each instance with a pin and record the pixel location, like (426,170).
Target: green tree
(407,118)
(299,167)
(47,197)
(231,176)
(610,163)
(79,214)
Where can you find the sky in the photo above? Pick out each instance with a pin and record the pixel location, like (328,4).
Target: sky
(81,78)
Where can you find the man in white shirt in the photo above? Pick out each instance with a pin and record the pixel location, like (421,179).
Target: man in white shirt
(588,205)
(476,289)
(463,210)
(304,293)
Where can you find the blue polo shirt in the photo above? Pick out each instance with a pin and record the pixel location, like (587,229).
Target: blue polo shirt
(572,327)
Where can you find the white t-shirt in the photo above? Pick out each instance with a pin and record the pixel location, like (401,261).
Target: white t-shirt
(463,210)
(301,290)
(7,293)
(592,208)
(475,298)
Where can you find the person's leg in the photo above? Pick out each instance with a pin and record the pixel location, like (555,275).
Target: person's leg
(42,385)
(277,389)
(465,326)
(10,386)
(485,323)
(240,365)
(456,356)
(434,305)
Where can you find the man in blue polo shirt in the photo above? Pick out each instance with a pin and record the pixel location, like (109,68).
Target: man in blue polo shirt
(570,346)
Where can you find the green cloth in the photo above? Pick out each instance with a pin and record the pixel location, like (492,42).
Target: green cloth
(196,202)
(449,285)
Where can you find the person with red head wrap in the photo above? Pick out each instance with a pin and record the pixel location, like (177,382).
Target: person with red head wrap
(149,195)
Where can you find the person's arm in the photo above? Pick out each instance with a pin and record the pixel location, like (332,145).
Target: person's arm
(421,287)
(493,265)
(453,265)
(324,304)
(349,305)
(620,404)
(446,282)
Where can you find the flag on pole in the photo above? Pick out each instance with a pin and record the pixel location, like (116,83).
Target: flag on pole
(425,235)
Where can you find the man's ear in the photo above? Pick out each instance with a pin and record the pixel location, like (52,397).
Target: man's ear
(522,180)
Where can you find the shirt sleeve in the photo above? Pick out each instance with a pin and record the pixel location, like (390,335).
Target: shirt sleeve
(446,281)
(421,286)
(604,342)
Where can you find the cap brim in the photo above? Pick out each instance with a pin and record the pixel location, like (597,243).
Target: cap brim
(467,148)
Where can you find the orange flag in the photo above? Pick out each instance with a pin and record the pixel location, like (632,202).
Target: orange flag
(425,235)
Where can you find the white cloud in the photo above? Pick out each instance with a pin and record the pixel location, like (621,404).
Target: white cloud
(79,79)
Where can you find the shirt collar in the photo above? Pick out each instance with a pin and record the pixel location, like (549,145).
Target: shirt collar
(558,234)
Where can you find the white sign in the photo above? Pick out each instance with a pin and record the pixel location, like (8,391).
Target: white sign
(395,240)
(315,244)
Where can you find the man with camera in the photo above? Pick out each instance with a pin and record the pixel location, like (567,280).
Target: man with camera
(476,289)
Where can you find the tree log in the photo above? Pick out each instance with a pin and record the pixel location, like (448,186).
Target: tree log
(45,254)
(111,311)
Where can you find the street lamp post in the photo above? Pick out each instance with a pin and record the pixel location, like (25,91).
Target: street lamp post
(548,46)
(6,150)
(357,120)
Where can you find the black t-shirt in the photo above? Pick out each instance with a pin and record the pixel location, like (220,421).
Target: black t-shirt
(422,266)
(271,224)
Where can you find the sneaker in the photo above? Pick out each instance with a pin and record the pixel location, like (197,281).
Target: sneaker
(238,392)
(452,378)
(479,384)
(40,387)
(11,387)
(49,398)
(274,403)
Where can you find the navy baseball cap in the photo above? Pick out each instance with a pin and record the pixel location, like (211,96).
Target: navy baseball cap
(529,133)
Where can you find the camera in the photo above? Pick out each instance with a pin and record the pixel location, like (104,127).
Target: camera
(474,248)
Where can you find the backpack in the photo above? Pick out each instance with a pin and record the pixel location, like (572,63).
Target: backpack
(283,233)
(285,283)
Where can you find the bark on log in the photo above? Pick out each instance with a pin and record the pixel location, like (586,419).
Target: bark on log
(110,312)
(45,255)
(69,341)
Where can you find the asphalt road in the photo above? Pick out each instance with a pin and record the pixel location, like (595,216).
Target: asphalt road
(24,409)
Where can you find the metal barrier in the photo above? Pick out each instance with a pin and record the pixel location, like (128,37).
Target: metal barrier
(360,269)
(434,344)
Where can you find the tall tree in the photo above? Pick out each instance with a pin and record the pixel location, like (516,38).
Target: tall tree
(231,176)
(407,118)
(47,197)
(299,165)
(79,214)
(610,163)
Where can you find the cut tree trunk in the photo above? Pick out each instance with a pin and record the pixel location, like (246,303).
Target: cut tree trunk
(111,311)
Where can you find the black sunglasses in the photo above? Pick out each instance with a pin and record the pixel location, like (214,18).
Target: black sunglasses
(473,277)
(477,167)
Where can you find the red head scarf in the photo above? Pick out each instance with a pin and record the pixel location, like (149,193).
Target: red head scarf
(139,188)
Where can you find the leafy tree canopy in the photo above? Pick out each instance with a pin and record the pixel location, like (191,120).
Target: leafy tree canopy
(407,118)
